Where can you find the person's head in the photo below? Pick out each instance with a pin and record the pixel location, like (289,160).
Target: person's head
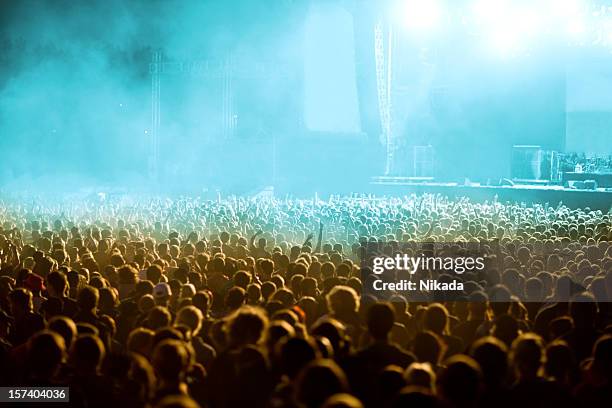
(242,279)
(246,326)
(65,327)
(492,356)
(328,270)
(342,400)
(333,330)
(146,303)
(162,293)
(191,317)
(602,358)
(267,289)
(158,317)
(505,328)
(318,381)
(108,299)
(235,298)
(87,353)
(142,288)
(140,340)
(559,326)
(428,347)
(154,273)
(415,396)
(285,296)
(20,302)
(560,361)
(534,290)
(45,353)
(261,243)
(253,294)
(583,310)
(34,283)
(380,319)
(170,360)
(202,300)
(389,381)
(128,275)
(308,286)
(422,375)
(436,318)
(459,382)
(527,355)
(87,298)
(499,298)
(478,305)
(177,401)
(278,331)
(294,354)
(342,299)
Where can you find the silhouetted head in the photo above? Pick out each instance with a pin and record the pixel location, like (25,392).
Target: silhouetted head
(380,319)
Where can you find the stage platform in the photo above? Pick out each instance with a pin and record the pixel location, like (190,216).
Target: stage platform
(600,199)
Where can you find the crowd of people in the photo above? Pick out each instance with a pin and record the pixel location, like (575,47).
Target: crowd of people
(261,302)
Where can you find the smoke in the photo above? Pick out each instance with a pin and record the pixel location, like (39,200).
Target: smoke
(75,103)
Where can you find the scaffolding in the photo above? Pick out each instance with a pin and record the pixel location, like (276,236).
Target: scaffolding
(155,69)
(383,52)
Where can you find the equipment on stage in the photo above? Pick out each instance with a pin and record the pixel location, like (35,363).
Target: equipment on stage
(531,162)
(581,167)
(590,185)
(422,161)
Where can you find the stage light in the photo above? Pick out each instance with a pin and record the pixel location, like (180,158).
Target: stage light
(527,21)
(567,9)
(507,28)
(575,27)
(504,42)
(421,14)
(487,12)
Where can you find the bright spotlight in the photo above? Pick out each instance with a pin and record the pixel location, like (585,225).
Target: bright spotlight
(421,14)
(505,42)
(576,27)
(487,12)
(508,28)
(527,22)
(566,8)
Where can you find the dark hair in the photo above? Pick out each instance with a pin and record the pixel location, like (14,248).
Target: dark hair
(170,359)
(65,327)
(58,281)
(459,382)
(380,319)
(88,297)
(318,381)
(45,353)
(492,356)
(428,347)
(22,298)
(87,352)
(295,353)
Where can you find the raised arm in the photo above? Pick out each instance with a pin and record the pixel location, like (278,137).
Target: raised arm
(252,240)
(319,238)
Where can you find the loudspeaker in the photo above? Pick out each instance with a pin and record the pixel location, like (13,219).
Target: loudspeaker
(526,162)
(590,185)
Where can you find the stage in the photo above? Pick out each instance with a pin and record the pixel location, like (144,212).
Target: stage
(600,199)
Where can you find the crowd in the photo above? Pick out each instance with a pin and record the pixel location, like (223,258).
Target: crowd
(253,302)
